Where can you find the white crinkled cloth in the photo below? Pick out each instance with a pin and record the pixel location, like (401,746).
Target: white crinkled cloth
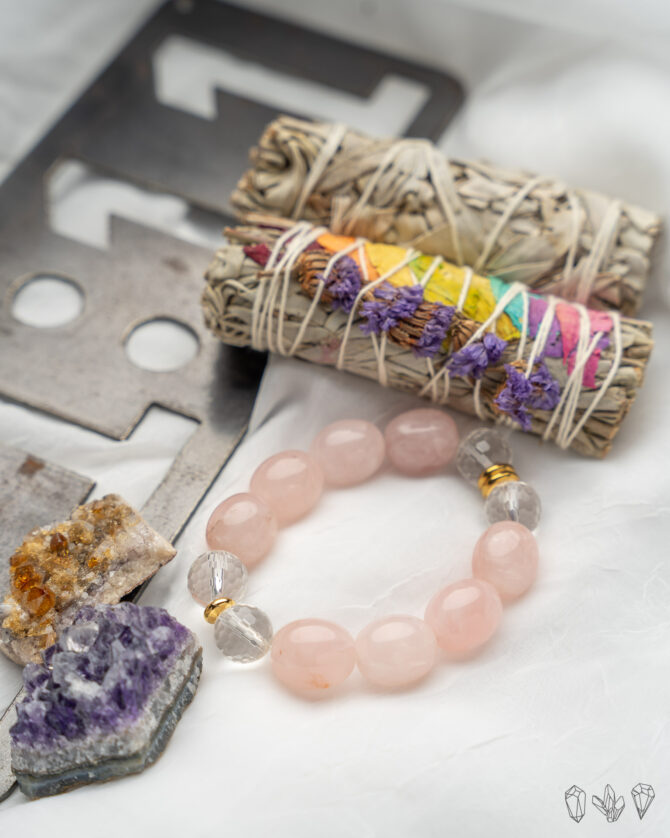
(575,688)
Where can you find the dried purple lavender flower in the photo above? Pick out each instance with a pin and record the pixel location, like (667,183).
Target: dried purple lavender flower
(343,283)
(513,397)
(539,391)
(546,390)
(391,305)
(435,331)
(475,358)
(494,346)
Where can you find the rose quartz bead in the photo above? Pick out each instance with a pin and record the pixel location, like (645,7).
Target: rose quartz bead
(506,555)
(464,615)
(243,525)
(349,451)
(396,651)
(311,656)
(421,441)
(290,483)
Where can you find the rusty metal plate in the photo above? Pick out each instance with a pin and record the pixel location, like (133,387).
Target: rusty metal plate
(80,371)
(191,147)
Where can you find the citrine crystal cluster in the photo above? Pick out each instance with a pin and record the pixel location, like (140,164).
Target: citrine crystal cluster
(102,553)
(105,699)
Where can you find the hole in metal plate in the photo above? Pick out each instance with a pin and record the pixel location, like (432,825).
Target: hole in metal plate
(83,201)
(189,73)
(46,301)
(162,345)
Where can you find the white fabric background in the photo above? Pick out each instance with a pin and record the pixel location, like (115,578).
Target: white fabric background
(575,688)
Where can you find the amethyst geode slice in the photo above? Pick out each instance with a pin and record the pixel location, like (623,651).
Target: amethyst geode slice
(106,699)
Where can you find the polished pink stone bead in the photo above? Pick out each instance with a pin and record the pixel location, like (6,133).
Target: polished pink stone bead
(349,451)
(506,555)
(290,483)
(396,651)
(421,441)
(464,615)
(245,526)
(312,656)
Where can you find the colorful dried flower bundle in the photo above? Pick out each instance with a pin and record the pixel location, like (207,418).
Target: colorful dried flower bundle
(423,325)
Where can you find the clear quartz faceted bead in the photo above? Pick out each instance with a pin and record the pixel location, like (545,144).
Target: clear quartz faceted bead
(514,501)
(243,633)
(480,449)
(217,573)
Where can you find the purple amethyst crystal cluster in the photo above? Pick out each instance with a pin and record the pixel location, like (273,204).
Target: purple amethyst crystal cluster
(106,698)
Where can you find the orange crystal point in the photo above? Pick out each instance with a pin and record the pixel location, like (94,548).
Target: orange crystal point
(58,543)
(17,560)
(38,601)
(26,579)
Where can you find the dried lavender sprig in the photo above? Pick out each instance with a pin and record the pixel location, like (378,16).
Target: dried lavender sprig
(521,393)
(435,331)
(475,358)
(391,305)
(343,283)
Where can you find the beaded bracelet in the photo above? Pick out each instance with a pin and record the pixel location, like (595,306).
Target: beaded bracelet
(311,655)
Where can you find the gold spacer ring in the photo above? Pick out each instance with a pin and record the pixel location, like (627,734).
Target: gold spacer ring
(216,606)
(496,475)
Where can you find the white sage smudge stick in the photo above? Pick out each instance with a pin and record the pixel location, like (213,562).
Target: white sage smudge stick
(419,324)
(574,243)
